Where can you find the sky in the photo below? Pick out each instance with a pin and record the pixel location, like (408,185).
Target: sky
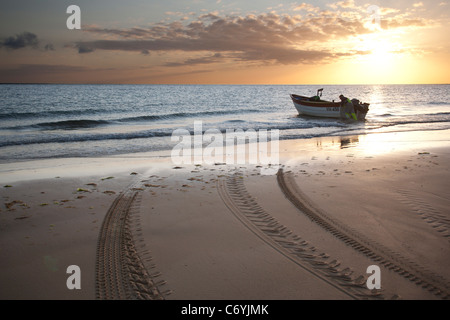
(226,42)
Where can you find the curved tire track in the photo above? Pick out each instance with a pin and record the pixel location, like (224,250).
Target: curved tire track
(256,219)
(377,252)
(120,271)
(437,220)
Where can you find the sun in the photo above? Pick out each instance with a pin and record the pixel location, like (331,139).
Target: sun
(378,57)
(380,54)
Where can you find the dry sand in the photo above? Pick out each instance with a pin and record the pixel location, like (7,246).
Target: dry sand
(140,227)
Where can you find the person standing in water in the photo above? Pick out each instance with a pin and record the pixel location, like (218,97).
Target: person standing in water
(347,111)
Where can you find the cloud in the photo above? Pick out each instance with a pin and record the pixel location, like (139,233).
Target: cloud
(306,7)
(343,4)
(404,23)
(269,38)
(387,11)
(25,39)
(197,61)
(84,48)
(37,72)
(45,69)
(127,33)
(49,47)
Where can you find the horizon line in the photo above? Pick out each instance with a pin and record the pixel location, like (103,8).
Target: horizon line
(224,84)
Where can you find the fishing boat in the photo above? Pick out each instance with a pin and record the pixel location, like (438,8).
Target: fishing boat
(316,107)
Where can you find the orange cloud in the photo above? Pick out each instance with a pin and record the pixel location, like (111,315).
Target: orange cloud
(267,38)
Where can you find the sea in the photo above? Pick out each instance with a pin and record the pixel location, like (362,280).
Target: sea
(41,121)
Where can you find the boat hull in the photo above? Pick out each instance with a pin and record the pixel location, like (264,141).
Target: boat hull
(325,109)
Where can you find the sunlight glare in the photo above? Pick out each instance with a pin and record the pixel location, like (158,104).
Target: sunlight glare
(382,54)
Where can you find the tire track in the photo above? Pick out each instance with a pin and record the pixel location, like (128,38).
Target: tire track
(432,282)
(437,220)
(321,265)
(120,270)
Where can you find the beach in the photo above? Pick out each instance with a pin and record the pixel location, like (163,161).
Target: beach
(140,227)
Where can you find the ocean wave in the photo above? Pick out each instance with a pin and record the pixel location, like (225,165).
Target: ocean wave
(32,139)
(73,124)
(171,116)
(52,113)
(290,127)
(236,121)
(70,124)
(29,139)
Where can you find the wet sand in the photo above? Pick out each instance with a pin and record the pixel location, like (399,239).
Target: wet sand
(140,227)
